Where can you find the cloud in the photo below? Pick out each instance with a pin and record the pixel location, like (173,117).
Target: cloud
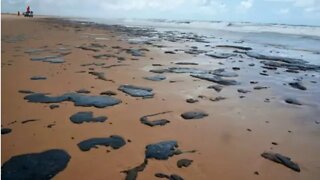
(228,10)
(247,4)
(306,5)
(212,6)
(284,11)
(312,9)
(244,6)
(139,4)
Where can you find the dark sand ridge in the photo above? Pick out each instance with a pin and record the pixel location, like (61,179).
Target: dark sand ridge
(225,149)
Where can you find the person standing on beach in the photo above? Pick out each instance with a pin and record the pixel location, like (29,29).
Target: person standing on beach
(28,9)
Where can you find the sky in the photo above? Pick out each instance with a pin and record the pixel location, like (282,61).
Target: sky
(299,12)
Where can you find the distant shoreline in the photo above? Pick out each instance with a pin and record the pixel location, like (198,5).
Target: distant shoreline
(177,20)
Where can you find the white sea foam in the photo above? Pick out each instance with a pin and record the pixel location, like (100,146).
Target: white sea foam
(219,25)
(292,40)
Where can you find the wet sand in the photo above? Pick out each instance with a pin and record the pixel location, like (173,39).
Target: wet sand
(228,142)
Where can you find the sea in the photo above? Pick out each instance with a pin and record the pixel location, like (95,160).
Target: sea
(296,41)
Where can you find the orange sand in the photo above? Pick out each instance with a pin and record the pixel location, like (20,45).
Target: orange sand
(225,149)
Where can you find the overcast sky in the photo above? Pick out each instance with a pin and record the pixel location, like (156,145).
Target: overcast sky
(305,12)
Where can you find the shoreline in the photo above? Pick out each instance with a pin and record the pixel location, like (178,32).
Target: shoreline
(228,142)
(177,20)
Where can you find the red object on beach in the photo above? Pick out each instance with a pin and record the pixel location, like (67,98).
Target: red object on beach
(28,9)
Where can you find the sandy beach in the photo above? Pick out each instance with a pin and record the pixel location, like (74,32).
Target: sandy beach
(254,105)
